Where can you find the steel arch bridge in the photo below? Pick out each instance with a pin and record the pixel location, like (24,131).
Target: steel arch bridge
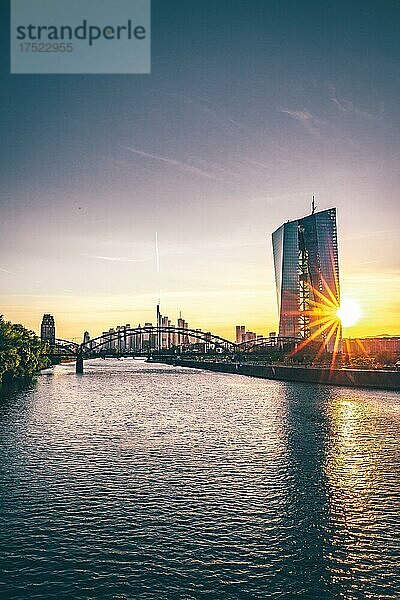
(145,340)
(122,335)
(150,339)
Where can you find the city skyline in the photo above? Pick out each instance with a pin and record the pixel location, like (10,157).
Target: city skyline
(226,329)
(268,107)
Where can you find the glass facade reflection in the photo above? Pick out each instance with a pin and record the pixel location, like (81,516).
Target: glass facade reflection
(306,273)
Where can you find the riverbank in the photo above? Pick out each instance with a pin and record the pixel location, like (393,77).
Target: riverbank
(358,378)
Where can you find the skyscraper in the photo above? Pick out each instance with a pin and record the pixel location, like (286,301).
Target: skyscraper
(307,276)
(240,333)
(48,329)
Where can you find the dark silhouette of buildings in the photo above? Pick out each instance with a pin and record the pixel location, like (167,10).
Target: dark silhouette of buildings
(48,329)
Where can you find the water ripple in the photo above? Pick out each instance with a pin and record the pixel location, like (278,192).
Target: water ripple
(142,481)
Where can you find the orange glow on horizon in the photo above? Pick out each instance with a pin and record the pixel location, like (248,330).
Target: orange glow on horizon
(218,311)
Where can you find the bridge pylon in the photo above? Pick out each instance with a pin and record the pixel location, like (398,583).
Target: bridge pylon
(79,362)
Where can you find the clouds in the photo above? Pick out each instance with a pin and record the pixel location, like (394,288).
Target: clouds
(122,259)
(316,125)
(311,123)
(212,112)
(176,164)
(348,107)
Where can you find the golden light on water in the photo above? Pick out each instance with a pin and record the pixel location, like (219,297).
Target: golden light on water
(349,312)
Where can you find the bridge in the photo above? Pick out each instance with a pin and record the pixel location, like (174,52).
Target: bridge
(158,340)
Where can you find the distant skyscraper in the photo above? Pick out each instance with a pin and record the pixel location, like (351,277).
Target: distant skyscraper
(48,329)
(112,344)
(86,340)
(307,274)
(240,332)
(165,336)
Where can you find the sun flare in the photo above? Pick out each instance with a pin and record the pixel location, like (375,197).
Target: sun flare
(349,312)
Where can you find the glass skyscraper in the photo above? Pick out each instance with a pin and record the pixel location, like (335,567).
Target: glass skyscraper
(307,274)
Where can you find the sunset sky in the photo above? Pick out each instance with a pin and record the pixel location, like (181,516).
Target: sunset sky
(252,107)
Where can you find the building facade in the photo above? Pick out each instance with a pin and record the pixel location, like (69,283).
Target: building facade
(48,329)
(307,274)
(240,333)
(372,346)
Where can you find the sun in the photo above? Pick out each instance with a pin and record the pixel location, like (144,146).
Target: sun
(349,312)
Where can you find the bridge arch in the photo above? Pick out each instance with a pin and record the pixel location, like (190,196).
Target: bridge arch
(184,336)
(65,345)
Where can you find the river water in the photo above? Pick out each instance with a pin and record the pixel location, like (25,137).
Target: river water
(138,481)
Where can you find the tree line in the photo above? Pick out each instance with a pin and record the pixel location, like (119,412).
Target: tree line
(22,353)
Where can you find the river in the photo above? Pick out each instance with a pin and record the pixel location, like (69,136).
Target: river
(145,481)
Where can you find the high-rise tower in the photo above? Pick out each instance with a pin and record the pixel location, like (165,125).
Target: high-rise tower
(307,275)
(48,329)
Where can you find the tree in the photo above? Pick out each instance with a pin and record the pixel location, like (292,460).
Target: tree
(22,353)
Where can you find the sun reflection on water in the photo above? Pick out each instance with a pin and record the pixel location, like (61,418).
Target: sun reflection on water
(353,471)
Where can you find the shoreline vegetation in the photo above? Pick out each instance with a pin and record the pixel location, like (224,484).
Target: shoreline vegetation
(22,353)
